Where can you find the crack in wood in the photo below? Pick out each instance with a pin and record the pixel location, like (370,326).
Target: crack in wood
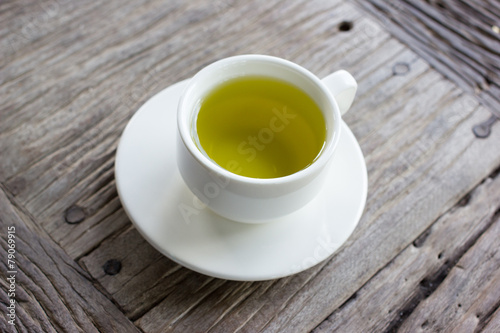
(484,320)
(432,281)
(465,200)
(419,242)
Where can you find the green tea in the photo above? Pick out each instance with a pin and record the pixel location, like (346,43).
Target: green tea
(260,127)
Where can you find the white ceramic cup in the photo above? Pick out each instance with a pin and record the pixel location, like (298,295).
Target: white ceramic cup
(256,200)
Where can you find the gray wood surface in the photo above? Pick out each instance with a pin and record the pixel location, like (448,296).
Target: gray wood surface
(413,281)
(52,293)
(470,294)
(461,39)
(494,323)
(74,72)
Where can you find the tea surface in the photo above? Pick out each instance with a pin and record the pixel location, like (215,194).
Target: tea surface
(260,127)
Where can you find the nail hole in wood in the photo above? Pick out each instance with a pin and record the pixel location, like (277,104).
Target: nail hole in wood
(74,214)
(400,68)
(483,130)
(441,5)
(345,26)
(112,267)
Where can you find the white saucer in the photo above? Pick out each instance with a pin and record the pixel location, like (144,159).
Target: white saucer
(152,193)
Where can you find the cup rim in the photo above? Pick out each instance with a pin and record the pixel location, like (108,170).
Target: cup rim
(317,164)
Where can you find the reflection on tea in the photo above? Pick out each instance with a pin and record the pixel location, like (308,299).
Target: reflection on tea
(260,127)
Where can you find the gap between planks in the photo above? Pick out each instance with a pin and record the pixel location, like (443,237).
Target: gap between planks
(366,296)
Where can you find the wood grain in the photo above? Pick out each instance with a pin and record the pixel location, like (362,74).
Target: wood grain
(419,271)
(72,73)
(414,128)
(59,150)
(494,323)
(460,39)
(469,294)
(52,293)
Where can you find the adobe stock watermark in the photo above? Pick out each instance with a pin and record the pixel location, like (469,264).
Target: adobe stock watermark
(356,44)
(202,197)
(325,247)
(149,83)
(250,147)
(11,275)
(32,25)
(257,143)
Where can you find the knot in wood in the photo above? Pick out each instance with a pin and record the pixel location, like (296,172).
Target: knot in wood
(483,130)
(400,68)
(112,267)
(74,214)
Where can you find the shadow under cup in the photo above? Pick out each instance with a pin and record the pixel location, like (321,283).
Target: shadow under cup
(237,197)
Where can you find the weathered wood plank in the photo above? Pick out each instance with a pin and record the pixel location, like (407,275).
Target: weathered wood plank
(419,269)
(494,323)
(469,294)
(364,44)
(59,150)
(422,158)
(70,88)
(52,293)
(458,38)
(391,225)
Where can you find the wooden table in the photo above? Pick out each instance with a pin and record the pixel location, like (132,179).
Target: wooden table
(426,253)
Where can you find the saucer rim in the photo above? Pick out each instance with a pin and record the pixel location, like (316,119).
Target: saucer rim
(345,130)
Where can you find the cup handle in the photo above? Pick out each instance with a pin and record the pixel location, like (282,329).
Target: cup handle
(343,88)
